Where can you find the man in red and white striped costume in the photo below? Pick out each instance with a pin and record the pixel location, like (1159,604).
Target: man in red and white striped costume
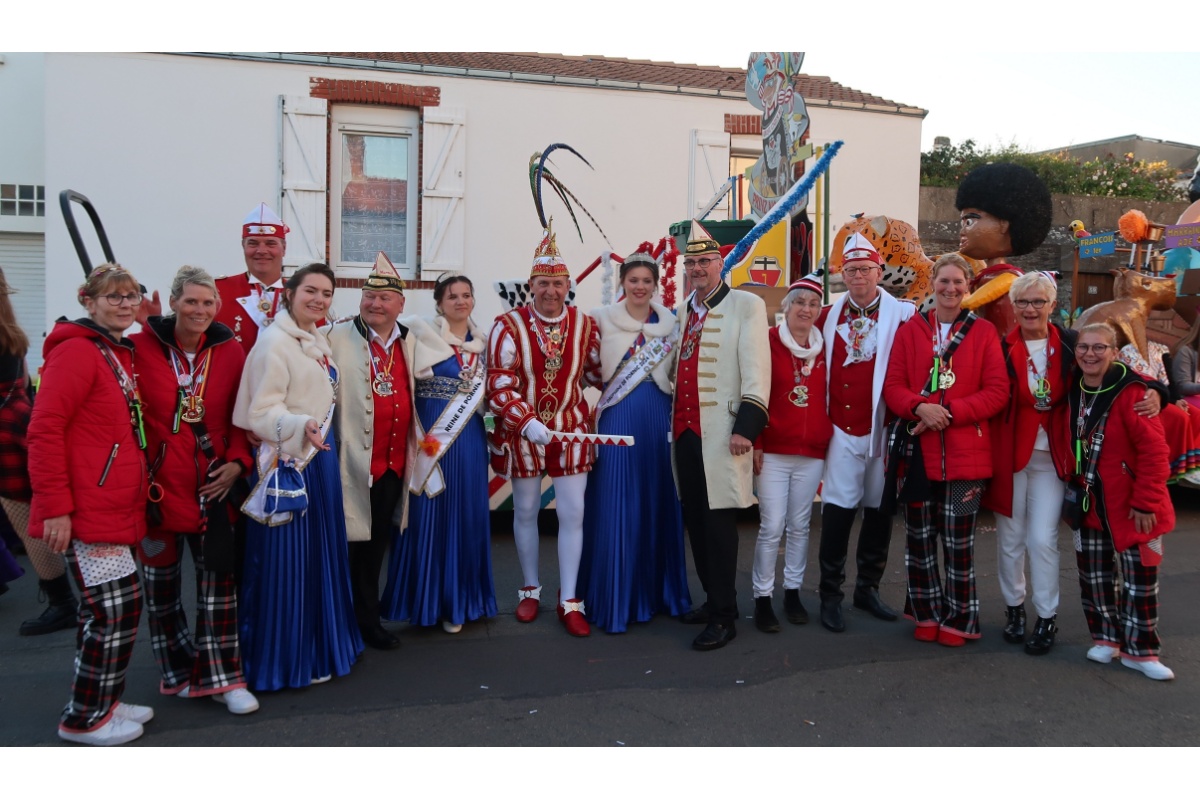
(539,358)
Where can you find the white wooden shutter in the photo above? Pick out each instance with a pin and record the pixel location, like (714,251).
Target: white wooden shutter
(303,164)
(443,229)
(710,171)
(23,258)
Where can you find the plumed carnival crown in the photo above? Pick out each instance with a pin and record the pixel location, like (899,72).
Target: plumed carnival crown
(547,261)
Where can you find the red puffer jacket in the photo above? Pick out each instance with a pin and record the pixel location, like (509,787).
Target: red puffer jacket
(184,466)
(963,450)
(84,458)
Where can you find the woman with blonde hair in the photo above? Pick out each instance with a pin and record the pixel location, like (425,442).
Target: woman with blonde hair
(88,470)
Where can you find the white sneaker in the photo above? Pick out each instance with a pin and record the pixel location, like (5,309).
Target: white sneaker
(450,627)
(322,679)
(238,701)
(139,714)
(185,692)
(117,730)
(1154,670)
(1101,653)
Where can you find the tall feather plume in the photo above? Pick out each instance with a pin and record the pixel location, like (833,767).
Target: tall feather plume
(538,173)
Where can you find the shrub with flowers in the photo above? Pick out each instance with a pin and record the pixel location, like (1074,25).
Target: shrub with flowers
(1110,176)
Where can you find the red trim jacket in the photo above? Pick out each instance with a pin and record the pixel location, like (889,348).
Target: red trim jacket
(963,450)
(84,458)
(184,467)
(792,430)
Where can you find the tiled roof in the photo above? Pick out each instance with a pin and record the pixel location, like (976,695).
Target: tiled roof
(657,73)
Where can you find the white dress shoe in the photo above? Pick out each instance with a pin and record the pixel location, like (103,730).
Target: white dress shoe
(322,679)
(1101,653)
(117,730)
(238,701)
(139,714)
(450,627)
(1154,670)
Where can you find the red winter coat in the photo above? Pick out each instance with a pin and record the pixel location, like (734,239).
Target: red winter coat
(1134,465)
(184,466)
(84,458)
(1014,430)
(963,450)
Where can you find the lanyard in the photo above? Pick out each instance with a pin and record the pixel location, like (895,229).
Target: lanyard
(129,390)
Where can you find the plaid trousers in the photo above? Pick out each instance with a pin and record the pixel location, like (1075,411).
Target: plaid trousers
(209,662)
(108,621)
(1124,616)
(950,604)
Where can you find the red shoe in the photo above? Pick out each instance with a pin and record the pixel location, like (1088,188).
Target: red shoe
(950,639)
(571,614)
(527,608)
(926,633)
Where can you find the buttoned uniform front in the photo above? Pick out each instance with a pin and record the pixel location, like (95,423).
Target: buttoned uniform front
(233,315)
(733,382)
(728,374)
(355,415)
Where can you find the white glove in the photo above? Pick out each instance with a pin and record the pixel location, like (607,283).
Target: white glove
(536,432)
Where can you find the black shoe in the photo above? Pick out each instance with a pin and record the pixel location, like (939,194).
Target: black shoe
(1042,638)
(764,616)
(715,636)
(1014,627)
(868,600)
(793,609)
(375,636)
(697,616)
(831,614)
(54,618)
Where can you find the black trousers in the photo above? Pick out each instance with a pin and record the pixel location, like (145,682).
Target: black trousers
(874,539)
(712,532)
(366,558)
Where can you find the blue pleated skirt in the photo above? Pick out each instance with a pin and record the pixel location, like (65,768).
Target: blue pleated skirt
(633,556)
(441,567)
(296,612)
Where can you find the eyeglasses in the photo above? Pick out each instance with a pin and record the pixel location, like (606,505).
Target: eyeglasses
(1098,349)
(1039,304)
(692,263)
(850,272)
(133,298)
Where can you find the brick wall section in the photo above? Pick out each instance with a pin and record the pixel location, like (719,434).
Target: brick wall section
(374,93)
(743,124)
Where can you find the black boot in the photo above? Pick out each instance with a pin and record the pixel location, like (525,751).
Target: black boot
(1014,626)
(764,616)
(831,614)
(1042,638)
(874,541)
(836,523)
(62,613)
(793,609)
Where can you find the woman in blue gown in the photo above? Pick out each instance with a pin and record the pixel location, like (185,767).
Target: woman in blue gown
(633,562)
(297,616)
(441,567)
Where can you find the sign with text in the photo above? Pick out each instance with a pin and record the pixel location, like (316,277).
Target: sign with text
(1182,236)
(1102,244)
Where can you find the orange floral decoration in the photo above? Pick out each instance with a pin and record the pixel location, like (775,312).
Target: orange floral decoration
(430,445)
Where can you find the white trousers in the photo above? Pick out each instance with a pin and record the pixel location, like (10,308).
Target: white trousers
(1033,530)
(786,490)
(568,500)
(852,477)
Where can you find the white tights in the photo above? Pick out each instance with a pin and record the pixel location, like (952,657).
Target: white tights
(568,500)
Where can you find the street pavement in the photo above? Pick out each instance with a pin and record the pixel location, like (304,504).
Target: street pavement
(500,682)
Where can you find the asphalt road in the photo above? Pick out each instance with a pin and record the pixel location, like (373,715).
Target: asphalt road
(500,682)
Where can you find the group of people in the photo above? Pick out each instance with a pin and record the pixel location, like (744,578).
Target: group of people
(287,453)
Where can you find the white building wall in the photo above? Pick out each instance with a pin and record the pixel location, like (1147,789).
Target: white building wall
(174,150)
(22,155)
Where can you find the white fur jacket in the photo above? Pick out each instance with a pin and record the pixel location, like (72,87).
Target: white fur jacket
(618,331)
(285,381)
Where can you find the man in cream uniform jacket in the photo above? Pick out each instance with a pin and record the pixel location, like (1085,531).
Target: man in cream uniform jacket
(722,382)
(373,425)
(858,330)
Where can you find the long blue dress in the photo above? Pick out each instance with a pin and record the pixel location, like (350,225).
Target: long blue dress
(441,568)
(633,563)
(296,612)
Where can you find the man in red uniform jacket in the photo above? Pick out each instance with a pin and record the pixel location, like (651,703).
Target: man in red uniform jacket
(250,299)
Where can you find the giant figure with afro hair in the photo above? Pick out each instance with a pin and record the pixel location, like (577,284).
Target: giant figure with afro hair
(1005,211)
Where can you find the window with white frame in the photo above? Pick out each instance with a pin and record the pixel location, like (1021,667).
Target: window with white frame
(373,181)
(22,200)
